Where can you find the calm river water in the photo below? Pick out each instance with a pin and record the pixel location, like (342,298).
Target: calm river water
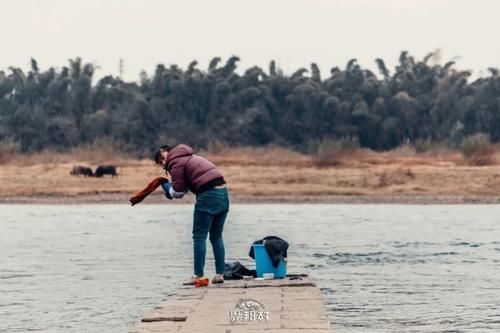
(381,268)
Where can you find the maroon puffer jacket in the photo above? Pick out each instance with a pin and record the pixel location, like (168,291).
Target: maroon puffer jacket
(188,170)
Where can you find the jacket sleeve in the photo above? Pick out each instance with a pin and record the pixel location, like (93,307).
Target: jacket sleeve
(177,174)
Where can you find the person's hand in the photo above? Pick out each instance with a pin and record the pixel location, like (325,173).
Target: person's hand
(166,188)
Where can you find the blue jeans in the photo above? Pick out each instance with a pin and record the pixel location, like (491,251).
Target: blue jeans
(210,213)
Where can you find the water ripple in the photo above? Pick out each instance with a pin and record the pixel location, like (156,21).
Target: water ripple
(98,268)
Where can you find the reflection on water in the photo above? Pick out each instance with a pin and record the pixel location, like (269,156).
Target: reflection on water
(381,268)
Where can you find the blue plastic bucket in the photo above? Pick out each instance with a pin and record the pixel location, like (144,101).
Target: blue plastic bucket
(263,263)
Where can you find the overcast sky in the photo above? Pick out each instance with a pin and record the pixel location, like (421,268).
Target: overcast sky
(293,32)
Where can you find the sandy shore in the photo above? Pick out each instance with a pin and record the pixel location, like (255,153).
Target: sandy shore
(242,199)
(262,176)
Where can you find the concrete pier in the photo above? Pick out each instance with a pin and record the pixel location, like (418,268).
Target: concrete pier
(293,304)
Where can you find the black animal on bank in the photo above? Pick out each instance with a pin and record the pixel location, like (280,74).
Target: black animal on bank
(81,170)
(105,170)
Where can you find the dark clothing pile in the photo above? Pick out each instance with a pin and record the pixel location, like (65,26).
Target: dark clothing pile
(236,271)
(276,248)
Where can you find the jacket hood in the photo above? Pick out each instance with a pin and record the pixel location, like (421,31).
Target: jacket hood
(179,151)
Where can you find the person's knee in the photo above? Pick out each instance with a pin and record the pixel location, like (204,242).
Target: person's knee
(199,238)
(215,238)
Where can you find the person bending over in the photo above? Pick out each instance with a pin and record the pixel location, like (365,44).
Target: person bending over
(191,172)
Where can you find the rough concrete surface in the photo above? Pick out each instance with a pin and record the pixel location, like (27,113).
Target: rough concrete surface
(272,306)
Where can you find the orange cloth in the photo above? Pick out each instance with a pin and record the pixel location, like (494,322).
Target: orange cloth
(201,282)
(139,196)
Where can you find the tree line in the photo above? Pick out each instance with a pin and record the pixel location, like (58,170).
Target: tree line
(417,100)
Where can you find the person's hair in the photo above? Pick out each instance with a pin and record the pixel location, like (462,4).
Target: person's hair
(157,155)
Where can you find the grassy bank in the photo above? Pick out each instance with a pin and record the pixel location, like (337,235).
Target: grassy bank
(263,175)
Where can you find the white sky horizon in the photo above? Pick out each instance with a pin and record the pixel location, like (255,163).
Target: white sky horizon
(294,33)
